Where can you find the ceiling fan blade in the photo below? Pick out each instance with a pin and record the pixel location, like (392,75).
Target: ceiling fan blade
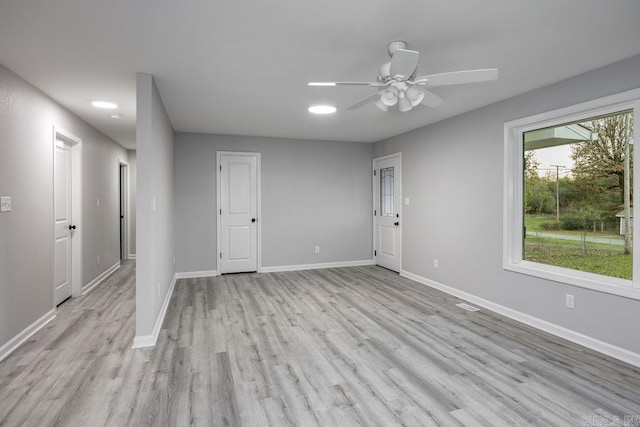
(375,84)
(364,101)
(431,99)
(460,77)
(404,63)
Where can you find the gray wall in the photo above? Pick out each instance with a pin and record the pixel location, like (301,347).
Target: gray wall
(132,202)
(27,117)
(154,228)
(453,174)
(314,193)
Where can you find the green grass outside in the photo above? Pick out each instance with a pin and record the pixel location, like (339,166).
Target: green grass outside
(608,260)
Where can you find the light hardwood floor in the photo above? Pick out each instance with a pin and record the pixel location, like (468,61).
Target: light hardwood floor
(337,347)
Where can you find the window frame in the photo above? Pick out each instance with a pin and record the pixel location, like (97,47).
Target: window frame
(513,195)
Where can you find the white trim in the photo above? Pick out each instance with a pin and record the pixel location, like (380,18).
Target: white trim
(551,328)
(513,190)
(141,341)
(375,203)
(27,333)
(317,266)
(259,203)
(95,282)
(196,274)
(75,144)
(131,256)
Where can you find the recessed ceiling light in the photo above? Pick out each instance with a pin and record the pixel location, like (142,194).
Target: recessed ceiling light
(104,104)
(322,109)
(115,115)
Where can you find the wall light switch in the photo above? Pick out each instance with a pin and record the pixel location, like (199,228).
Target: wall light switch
(406,201)
(5,204)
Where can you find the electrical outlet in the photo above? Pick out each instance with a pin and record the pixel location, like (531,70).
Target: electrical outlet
(570,300)
(435,263)
(97,260)
(153,204)
(98,202)
(5,204)
(174,260)
(317,249)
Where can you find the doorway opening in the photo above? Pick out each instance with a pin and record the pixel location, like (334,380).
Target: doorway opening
(67,215)
(387,211)
(123,185)
(238,212)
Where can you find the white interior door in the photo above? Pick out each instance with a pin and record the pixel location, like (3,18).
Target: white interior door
(238,212)
(387,189)
(63,222)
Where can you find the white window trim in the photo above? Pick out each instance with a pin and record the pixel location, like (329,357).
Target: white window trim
(512,212)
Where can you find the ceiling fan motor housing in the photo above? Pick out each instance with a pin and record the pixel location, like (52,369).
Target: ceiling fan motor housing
(395,45)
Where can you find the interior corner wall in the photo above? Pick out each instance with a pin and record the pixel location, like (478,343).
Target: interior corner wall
(314,193)
(132,202)
(27,118)
(453,174)
(155,206)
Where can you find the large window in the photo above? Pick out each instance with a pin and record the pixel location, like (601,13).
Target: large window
(569,195)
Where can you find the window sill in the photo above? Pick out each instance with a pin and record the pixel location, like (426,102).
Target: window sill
(596,282)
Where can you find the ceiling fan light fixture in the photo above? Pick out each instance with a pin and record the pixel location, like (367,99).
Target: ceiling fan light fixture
(322,109)
(404,104)
(414,95)
(381,105)
(389,97)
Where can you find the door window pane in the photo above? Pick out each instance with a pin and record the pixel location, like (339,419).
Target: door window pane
(386,192)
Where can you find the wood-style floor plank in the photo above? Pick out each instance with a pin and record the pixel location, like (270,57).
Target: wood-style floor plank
(343,347)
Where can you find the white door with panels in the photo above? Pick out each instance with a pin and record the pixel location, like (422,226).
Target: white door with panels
(63,227)
(387,209)
(238,206)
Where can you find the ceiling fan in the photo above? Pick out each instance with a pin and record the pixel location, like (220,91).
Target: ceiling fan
(398,86)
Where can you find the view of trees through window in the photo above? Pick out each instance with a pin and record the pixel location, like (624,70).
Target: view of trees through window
(578,195)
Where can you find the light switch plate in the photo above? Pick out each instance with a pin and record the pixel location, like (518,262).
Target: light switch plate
(406,201)
(5,204)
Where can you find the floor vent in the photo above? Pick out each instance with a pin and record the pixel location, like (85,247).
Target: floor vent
(467,307)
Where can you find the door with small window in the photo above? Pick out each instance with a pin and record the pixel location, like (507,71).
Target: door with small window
(387,218)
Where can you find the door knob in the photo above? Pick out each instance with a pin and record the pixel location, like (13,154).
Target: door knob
(72,227)
(396,224)
(253,220)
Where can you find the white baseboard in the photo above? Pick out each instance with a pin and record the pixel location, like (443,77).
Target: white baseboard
(141,341)
(131,256)
(95,282)
(196,274)
(316,266)
(559,331)
(27,333)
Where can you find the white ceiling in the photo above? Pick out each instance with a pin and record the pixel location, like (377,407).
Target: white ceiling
(241,67)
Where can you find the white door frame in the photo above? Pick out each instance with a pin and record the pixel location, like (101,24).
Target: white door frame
(125,189)
(398,181)
(76,209)
(258,156)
